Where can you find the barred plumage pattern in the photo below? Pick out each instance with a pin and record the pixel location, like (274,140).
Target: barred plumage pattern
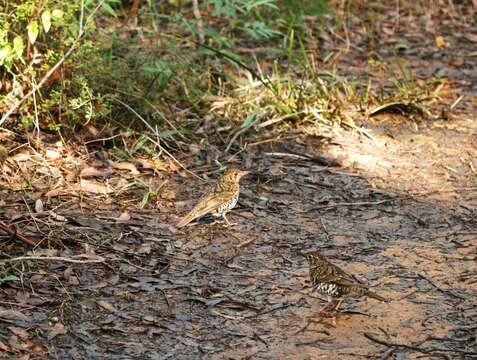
(229,205)
(330,280)
(221,199)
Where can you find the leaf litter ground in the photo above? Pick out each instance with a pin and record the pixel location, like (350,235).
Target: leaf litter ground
(399,214)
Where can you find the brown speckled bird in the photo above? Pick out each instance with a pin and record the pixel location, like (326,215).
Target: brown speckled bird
(221,199)
(330,280)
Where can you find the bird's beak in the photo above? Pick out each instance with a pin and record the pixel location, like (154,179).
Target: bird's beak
(243,173)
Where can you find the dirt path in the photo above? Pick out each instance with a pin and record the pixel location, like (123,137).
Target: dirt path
(400,215)
(403,224)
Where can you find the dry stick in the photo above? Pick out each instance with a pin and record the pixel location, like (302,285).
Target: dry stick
(13,233)
(359,203)
(200,23)
(99,259)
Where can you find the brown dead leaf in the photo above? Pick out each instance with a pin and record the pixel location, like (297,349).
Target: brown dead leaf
(124,217)
(52,154)
(173,166)
(15,317)
(144,249)
(105,305)
(39,206)
(21,157)
(4,347)
(126,166)
(3,154)
(58,329)
(23,334)
(471,37)
(91,171)
(59,192)
(93,187)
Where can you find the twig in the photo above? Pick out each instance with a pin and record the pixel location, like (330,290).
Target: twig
(13,233)
(321,160)
(245,243)
(455,103)
(382,342)
(97,259)
(200,23)
(387,353)
(445,291)
(359,203)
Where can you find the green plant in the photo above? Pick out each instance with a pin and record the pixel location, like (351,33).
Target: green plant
(8,278)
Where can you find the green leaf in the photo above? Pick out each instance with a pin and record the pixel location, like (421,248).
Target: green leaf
(46,20)
(4,53)
(8,278)
(145,199)
(18,46)
(57,14)
(108,9)
(33,31)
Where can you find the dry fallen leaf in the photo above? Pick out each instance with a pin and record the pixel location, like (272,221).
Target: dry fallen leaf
(23,334)
(52,154)
(126,166)
(91,171)
(144,249)
(471,37)
(3,154)
(39,206)
(92,187)
(124,216)
(20,157)
(105,305)
(58,329)
(59,192)
(4,347)
(440,42)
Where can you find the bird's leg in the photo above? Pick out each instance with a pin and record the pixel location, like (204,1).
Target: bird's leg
(335,311)
(227,222)
(338,303)
(330,305)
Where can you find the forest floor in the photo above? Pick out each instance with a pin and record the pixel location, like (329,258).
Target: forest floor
(399,214)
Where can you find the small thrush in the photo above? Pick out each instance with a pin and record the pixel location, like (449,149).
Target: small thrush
(221,199)
(330,280)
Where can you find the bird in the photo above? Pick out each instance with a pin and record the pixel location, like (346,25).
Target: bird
(219,200)
(328,279)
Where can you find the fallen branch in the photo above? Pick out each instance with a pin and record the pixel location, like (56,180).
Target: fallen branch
(89,259)
(13,233)
(359,203)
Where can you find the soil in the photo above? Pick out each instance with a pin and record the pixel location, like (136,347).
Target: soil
(399,214)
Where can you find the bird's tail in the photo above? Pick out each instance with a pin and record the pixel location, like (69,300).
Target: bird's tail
(185,220)
(373,295)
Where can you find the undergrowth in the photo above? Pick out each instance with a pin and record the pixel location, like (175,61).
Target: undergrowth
(172,74)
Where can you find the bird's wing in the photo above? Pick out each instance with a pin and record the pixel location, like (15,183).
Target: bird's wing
(206,204)
(341,277)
